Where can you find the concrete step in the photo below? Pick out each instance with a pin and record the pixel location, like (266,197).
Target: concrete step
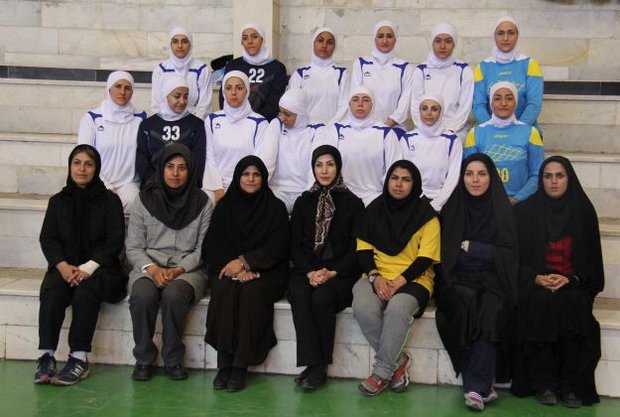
(113,343)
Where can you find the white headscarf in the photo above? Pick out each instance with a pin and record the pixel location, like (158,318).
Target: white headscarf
(237,113)
(438,128)
(110,110)
(496,121)
(382,57)
(441,29)
(294,100)
(320,62)
(504,57)
(181,65)
(369,120)
(170,82)
(263,56)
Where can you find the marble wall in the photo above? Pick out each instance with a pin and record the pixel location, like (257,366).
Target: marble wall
(573,39)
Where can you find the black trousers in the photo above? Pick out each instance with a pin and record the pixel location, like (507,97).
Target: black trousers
(176,299)
(556,366)
(55,296)
(479,367)
(314,315)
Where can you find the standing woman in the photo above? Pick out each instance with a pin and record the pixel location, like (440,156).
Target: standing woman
(477,291)
(246,250)
(196,73)
(236,131)
(112,129)
(173,123)
(324,263)
(515,147)
(507,64)
(167,225)
(325,83)
(561,273)
(435,151)
(443,75)
(397,247)
(388,77)
(368,147)
(295,138)
(82,239)
(267,76)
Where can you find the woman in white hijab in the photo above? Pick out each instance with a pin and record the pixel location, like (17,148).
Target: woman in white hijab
(368,146)
(173,123)
(112,129)
(196,72)
(387,76)
(266,75)
(295,138)
(325,83)
(235,132)
(436,151)
(507,64)
(442,74)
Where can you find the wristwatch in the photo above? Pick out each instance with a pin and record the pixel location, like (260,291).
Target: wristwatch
(372,277)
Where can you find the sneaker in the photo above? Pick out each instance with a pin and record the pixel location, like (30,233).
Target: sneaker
(46,369)
(373,385)
(570,400)
(72,373)
(547,397)
(491,397)
(474,401)
(400,379)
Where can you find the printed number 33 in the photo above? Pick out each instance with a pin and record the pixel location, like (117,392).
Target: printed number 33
(171,133)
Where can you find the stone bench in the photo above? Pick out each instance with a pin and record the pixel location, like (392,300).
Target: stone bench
(113,341)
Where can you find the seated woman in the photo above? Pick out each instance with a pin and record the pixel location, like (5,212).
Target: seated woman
(246,250)
(477,290)
(82,239)
(196,73)
(397,246)
(561,271)
(516,148)
(436,152)
(368,147)
(173,123)
(326,84)
(234,132)
(443,75)
(112,128)
(507,64)
(267,76)
(325,264)
(167,225)
(295,138)
(387,76)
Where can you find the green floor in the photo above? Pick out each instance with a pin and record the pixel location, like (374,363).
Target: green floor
(110,392)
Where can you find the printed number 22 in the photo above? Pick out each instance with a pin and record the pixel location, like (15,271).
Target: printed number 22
(256,75)
(171,133)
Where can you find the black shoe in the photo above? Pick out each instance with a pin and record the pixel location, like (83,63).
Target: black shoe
(142,372)
(221,379)
(299,379)
(315,379)
(176,372)
(547,397)
(571,400)
(74,371)
(236,382)
(46,369)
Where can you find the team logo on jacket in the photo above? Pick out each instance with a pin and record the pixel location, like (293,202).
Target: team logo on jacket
(427,77)
(367,74)
(306,76)
(100,128)
(217,125)
(341,137)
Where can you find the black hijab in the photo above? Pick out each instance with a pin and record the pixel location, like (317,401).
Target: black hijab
(176,208)
(388,223)
(543,219)
(80,199)
(487,218)
(326,208)
(248,218)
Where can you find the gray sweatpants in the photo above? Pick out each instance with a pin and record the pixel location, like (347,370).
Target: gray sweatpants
(384,323)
